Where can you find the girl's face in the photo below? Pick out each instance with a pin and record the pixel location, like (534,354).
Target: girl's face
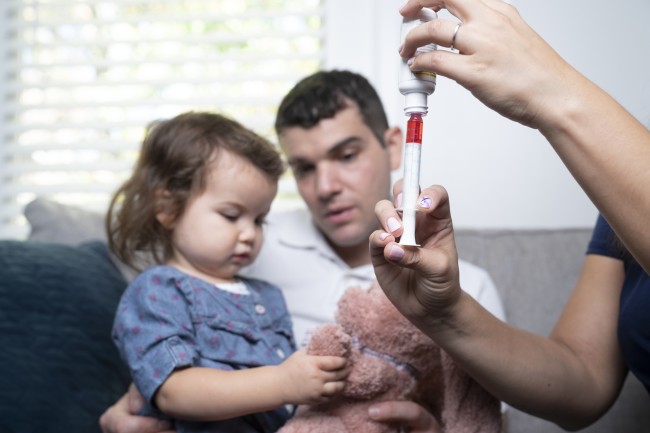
(220,230)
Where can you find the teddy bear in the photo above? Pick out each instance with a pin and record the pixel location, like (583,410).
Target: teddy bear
(391,360)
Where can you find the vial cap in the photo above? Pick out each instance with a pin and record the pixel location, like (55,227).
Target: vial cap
(415,102)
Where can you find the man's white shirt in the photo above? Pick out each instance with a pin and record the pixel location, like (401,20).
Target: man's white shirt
(296,258)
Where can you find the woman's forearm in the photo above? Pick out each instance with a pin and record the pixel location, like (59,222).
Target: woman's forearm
(533,373)
(608,152)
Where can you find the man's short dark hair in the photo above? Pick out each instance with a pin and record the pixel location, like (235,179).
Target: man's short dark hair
(323,94)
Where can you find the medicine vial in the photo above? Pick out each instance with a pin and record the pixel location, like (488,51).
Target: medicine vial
(416,86)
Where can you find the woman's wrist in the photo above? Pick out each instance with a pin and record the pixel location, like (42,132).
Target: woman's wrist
(447,322)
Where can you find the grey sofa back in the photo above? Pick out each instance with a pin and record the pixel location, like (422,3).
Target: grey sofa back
(535,271)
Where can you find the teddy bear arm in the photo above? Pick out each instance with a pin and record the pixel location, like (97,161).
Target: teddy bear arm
(371,377)
(330,339)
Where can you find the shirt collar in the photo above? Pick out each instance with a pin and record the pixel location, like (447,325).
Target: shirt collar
(301,232)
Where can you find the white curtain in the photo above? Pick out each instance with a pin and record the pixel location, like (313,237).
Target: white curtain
(80,80)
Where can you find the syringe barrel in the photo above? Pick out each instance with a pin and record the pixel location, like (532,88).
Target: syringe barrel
(410,191)
(411,182)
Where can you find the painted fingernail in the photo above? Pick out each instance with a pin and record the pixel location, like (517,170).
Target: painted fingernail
(393,224)
(399,200)
(425,202)
(396,253)
(383,236)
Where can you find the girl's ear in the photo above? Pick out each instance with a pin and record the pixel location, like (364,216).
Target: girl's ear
(163,205)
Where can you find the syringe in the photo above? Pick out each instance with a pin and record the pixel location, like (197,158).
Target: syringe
(416,87)
(411,186)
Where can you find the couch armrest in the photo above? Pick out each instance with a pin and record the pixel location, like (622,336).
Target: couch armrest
(60,369)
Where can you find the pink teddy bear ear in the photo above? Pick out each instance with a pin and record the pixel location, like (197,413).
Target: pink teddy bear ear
(330,340)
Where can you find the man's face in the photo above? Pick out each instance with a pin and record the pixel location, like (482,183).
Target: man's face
(342,171)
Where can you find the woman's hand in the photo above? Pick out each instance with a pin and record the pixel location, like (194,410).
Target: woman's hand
(422,282)
(497,57)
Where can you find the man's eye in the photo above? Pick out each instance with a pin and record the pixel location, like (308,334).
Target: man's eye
(349,155)
(302,170)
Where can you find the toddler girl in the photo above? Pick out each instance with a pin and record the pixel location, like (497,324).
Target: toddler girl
(212,350)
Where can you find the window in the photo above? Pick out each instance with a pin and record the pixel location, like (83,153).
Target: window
(81,80)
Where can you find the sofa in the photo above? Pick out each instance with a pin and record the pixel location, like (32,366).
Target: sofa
(59,288)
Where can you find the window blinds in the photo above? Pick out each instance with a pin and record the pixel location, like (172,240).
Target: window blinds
(82,79)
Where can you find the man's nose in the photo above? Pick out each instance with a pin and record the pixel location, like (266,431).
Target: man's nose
(327,180)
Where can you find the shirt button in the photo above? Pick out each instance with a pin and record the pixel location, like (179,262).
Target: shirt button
(280,353)
(260,309)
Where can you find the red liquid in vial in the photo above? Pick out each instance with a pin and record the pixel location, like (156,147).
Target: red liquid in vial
(414,129)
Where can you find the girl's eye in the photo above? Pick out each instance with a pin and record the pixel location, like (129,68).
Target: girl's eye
(260,221)
(230,217)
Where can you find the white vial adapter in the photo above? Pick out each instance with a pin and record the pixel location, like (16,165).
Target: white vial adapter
(416,86)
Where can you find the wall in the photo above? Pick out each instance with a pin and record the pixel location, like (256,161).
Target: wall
(3,91)
(499,173)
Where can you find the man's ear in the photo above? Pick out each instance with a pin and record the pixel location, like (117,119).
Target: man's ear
(394,141)
(163,205)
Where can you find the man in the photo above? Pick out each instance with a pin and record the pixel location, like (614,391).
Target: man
(334,133)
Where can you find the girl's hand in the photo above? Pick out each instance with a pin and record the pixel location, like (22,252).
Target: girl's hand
(310,379)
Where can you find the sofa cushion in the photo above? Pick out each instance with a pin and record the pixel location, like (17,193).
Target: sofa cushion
(60,369)
(535,271)
(50,221)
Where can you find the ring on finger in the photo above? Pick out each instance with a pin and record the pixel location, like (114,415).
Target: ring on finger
(453,38)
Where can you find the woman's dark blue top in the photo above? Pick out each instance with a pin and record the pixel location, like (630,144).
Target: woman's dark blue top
(634,314)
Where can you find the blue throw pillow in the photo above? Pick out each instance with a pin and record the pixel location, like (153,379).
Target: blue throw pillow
(59,368)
